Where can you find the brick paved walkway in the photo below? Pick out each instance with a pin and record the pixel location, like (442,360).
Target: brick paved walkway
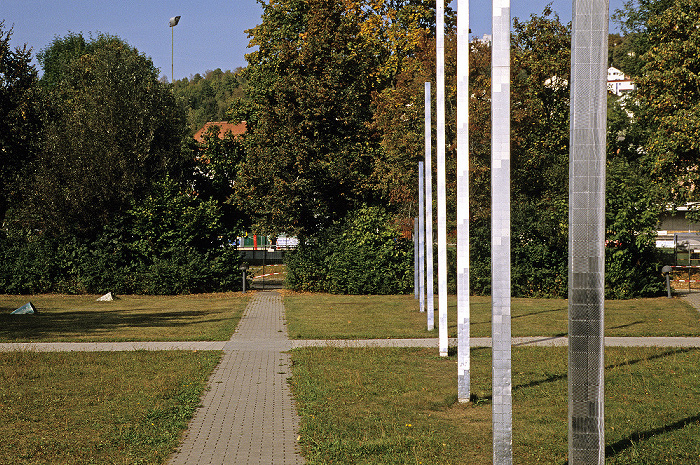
(248,415)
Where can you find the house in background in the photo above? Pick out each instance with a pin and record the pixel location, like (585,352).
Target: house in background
(224,128)
(618,83)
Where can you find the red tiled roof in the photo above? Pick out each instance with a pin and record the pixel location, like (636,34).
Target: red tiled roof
(224,128)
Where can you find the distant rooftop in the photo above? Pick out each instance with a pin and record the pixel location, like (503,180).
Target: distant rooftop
(224,128)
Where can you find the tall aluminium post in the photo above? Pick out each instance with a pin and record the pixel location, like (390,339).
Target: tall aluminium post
(416,252)
(441,179)
(430,285)
(589,55)
(421,237)
(172,22)
(463,314)
(500,235)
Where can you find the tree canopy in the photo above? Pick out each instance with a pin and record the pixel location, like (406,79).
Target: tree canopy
(20,121)
(312,87)
(111,129)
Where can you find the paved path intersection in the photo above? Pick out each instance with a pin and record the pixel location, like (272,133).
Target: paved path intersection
(247,415)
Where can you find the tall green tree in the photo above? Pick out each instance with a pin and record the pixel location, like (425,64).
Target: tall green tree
(19,118)
(312,92)
(112,129)
(633,18)
(669,100)
(310,84)
(539,153)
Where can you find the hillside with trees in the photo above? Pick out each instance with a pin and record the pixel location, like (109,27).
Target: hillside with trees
(103,188)
(102,198)
(208,97)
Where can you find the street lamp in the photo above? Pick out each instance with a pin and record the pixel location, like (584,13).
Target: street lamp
(173,22)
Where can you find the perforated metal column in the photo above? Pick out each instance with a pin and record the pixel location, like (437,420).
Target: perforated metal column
(441,179)
(429,263)
(416,272)
(500,234)
(589,53)
(463,362)
(421,237)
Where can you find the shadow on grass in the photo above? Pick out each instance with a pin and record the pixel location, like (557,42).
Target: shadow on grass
(554,310)
(563,376)
(46,325)
(618,447)
(627,325)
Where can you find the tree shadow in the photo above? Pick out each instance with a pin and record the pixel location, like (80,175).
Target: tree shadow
(623,444)
(625,326)
(563,376)
(554,310)
(87,323)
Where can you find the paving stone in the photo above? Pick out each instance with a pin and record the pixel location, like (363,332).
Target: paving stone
(248,414)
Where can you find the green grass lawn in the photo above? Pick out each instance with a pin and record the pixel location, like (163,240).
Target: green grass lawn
(79,318)
(97,408)
(324,316)
(399,406)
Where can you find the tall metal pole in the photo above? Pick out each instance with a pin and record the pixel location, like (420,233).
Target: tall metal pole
(589,54)
(463,311)
(441,179)
(172,54)
(421,237)
(500,235)
(172,22)
(416,253)
(430,284)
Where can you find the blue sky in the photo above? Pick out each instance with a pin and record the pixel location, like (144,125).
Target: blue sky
(210,34)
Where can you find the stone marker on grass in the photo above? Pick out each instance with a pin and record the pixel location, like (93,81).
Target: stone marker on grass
(26,309)
(108,297)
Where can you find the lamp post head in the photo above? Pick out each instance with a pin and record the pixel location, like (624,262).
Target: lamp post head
(173,21)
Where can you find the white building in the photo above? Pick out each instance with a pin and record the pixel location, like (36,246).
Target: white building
(618,83)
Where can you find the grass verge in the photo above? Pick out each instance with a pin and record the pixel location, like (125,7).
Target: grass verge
(89,408)
(399,406)
(325,316)
(71,318)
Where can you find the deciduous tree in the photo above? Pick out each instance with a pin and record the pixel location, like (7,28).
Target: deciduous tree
(19,118)
(112,129)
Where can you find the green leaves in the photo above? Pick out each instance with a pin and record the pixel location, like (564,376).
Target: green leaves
(112,128)
(19,119)
(363,254)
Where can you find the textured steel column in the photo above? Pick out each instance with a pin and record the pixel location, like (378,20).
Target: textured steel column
(500,234)
(463,368)
(429,286)
(441,179)
(421,237)
(415,258)
(589,55)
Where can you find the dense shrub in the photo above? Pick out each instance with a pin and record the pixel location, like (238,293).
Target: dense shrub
(169,244)
(363,254)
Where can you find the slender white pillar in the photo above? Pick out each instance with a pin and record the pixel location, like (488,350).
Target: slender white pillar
(589,54)
(430,284)
(421,237)
(463,361)
(500,235)
(416,252)
(441,179)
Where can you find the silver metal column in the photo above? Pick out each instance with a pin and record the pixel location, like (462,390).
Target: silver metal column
(589,55)
(416,252)
(463,313)
(421,237)
(441,179)
(430,284)
(500,235)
